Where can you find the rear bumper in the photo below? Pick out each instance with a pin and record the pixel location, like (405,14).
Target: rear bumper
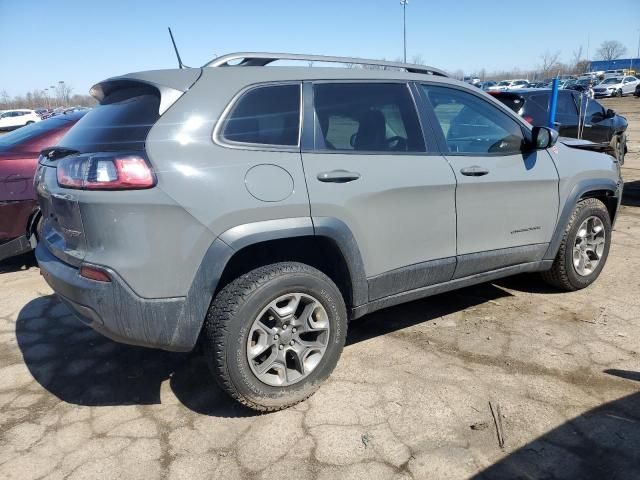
(117,312)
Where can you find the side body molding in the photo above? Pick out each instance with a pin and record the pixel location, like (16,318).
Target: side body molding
(578,190)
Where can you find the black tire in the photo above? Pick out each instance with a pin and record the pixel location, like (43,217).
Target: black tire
(619,147)
(619,93)
(231,316)
(563,274)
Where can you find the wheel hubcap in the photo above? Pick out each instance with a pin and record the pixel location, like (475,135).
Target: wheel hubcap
(288,339)
(589,246)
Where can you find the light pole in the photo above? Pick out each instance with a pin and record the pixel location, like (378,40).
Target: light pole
(404,26)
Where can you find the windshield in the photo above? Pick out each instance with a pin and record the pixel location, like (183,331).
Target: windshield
(24,134)
(611,81)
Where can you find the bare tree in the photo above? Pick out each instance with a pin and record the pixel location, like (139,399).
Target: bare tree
(611,50)
(417,59)
(576,59)
(63,93)
(549,62)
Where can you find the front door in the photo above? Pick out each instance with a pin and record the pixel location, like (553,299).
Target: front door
(368,166)
(507,200)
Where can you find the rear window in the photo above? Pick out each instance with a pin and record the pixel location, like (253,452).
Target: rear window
(121,122)
(14,139)
(266,115)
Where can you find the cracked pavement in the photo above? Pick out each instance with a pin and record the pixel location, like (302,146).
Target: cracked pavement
(563,368)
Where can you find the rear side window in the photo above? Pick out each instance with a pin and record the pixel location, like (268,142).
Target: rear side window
(367,117)
(121,122)
(267,115)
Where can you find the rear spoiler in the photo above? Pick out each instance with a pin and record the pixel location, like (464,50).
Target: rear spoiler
(171,84)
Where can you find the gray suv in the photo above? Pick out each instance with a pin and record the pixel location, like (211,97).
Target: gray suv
(254,210)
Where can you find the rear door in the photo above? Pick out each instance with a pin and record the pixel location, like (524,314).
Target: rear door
(368,166)
(506,200)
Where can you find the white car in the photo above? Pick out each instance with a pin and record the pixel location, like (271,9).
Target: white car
(11,119)
(616,87)
(505,85)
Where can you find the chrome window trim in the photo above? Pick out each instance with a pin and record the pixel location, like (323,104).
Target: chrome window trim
(219,139)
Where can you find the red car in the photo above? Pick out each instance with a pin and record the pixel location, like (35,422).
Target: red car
(19,151)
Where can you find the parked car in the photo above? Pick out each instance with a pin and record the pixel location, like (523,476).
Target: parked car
(487,85)
(19,152)
(616,87)
(256,210)
(510,85)
(576,117)
(472,80)
(581,85)
(12,119)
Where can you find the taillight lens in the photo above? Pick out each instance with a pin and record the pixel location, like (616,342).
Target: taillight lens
(105,172)
(94,273)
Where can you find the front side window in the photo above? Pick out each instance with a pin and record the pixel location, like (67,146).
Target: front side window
(367,117)
(471,125)
(266,115)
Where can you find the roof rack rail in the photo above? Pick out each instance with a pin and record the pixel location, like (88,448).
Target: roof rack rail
(260,59)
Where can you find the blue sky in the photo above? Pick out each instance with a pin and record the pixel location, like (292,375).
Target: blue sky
(82,42)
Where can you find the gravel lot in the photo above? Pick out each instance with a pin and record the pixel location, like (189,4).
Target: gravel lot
(410,397)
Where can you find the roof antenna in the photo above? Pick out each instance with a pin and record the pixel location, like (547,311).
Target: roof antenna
(180,64)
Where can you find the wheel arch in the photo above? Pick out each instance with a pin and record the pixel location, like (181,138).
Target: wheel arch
(324,243)
(604,189)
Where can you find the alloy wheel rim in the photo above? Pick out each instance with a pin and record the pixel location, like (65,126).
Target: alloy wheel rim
(588,246)
(288,339)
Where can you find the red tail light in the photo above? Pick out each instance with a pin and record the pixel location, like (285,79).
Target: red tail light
(105,172)
(93,273)
(528,119)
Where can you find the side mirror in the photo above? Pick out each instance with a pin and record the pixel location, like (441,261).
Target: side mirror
(609,113)
(543,137)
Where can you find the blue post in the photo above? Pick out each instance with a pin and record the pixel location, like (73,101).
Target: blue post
(554,102)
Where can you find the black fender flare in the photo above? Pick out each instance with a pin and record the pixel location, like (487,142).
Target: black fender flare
(578,191)
(223,248)
(330,228)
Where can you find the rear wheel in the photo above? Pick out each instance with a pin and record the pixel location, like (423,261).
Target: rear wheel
(584,248)
(274,334)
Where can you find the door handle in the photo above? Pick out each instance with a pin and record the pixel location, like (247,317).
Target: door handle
(338,176)
(474,171)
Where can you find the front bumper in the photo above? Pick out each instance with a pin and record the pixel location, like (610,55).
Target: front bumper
(606,93)
(117,312)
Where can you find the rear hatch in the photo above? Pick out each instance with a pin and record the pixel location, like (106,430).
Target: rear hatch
(115,130)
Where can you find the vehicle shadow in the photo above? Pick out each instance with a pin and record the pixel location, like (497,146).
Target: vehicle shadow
(17,263)
(602,443)
(631,194)
(82,367)
(420,311)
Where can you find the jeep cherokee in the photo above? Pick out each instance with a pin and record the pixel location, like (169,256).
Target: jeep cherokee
(254,209)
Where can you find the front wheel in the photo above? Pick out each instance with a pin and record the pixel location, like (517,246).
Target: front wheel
(619,93)
(273,335)
(584,248)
